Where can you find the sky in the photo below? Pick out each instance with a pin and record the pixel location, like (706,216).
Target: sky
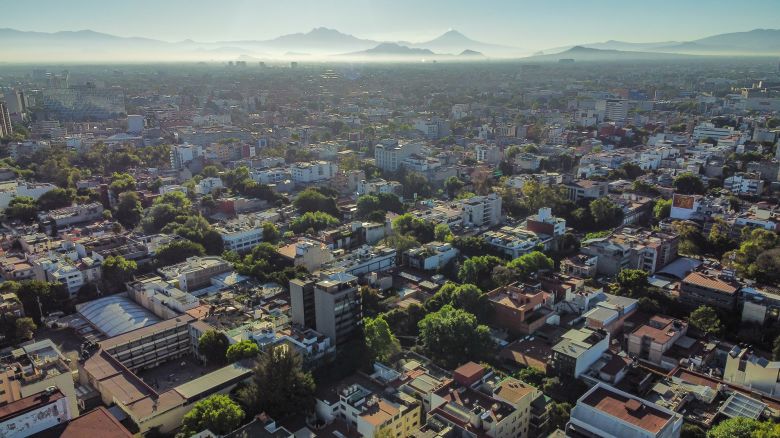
(538,24)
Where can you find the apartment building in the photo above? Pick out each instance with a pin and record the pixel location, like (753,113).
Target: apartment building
(605,411)
(586,189)
(329,304)
(315,171)
(429,257)
(379,185)
(708,130)
(520,309)
(311,254)
(631,248)
(652,340)
(76,214)
(481,211)
(745,368)
(35,414)
(162,299)
(196,272)
(389,155)
(743,183)
(612,109)
(241,234)
(363,260)
(577,350)
(707,289)
(6,128)
(12,189)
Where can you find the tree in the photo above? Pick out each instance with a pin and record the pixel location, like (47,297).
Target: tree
(452,186)
(559,415)
(116,272)
(529,264)
(422,230)
(688,183)
(280,386)
(56,198)
(605,213)
(381,342)
(631,283)
(270,232)
(25,328)
(737,427)
(314,221)
(178,251)
(477,270)
(311,200)
(217,413)
(531,376)
(442,233)
(246,349)
(371,301)
(705,319)
(37,299)
(452,336)
(662,208)
(692,431)
(129,210)
(213,346)
(121,182)
(22,208)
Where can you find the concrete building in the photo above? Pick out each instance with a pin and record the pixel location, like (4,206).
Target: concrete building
(429,257)
(586,189)
(743,183)
(747,369)
(706,289)
(363,260)
(35,414)
(315,171)
(241,234)
(545,223)
(34,368)
(331,305)
(577,350)
(196,272)
(6,128)
(631,248)
(520,309)
(708,130)
(605,411)
(311,254)
(612,109)
(390,155)
(162,299)
(652,340)
(135,123)
(11,189)
(76,214)
(481,211)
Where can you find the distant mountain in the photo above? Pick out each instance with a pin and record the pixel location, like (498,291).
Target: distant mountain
(754,42)
(757,41)
(319,40)
(468,52)
(580,53)
(392,50)
(454,42)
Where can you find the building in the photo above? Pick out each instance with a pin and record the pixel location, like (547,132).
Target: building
(545,223)
(577,350)
(389,155)
(429,257)
(11,189)
(76,214)
(34,368)
(98,421)
(708,130)
(481,211)
(315,171)
(196,272)
(706,289)
(743,183)
(586,189)
(612,109)
(34,414)
(162,299)
(183,154)
(241,234)
(6,128)
(331,305)
(605,411)
(652,340)
(83,103)
(135,123)
(524,398)
(311,254)
(696,207)
(520,309)
(631,248)
(379,185)
(745,368)
(580,265)
(363,260)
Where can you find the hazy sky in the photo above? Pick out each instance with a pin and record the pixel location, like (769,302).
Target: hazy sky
(530,24)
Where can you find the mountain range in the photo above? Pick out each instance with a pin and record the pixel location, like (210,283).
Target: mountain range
(321,42)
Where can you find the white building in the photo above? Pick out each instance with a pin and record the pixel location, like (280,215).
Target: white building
(482,211)
(271,175)
(612,109)
(11,189)
(750,370)
(363,260)
(182,154)
(379,185)
(313,171)
(708,130)
(390,155)
(241,234)
(605,411)
(208,184)
(431,256)
(744,184)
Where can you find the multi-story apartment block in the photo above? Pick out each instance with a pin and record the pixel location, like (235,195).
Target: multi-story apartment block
(520,309)
(652,340)
(743,183)
(633,249)
(708,130)
(431,256)
(389,155)
(707,289)
(376,186)
(586,189)
(196,272)
(605,411)
(363,260)
(577,350)
(612,109)
(745,368)
(481,211)
(331,305)
(303,173)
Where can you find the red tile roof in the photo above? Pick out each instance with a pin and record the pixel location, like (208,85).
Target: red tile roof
(627,409)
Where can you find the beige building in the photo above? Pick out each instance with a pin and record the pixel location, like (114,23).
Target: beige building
(757,373)
(310,254)
(196,272)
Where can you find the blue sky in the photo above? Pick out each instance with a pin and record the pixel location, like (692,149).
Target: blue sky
(535,24)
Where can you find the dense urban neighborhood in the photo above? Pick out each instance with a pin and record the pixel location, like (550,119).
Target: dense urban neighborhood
(533,248)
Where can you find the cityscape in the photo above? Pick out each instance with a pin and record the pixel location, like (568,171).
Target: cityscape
(389,219)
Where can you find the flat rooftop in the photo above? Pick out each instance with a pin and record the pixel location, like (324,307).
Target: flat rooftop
(627,409)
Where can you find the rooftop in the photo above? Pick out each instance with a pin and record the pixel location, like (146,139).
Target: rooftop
(631,410)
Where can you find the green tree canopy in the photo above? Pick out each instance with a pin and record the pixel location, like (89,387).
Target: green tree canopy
(213,345)
(477,270)
(178,251)
(689,184)
(315,221)
(706,320)
(452,336)
(116,272)
(129,210)
(217,413)
(312,200)
(379,339)
(246,349)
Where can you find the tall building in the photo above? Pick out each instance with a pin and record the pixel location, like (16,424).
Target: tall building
(390,154)
(5,121)
(84,103)
(330,304)
(612,109)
